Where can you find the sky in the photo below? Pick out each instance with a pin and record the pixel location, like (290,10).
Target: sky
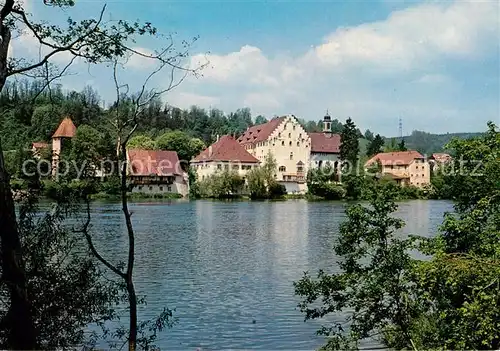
(434,64)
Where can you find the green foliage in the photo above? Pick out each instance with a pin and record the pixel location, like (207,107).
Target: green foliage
(262,182)
(276,191)
(349,149)
(375,146)
(141,142)
(402,145)
(63,280)
(260,120)
(194,186)
(179,141)
(44,122)
(449,301)
(372,286)
(321,183)
(222,184)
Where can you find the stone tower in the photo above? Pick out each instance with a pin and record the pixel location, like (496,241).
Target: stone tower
(66,130)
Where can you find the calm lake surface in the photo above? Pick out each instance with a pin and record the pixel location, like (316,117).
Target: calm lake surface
(224,265)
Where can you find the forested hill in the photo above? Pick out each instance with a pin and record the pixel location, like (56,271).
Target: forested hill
(427,143)
(27,116)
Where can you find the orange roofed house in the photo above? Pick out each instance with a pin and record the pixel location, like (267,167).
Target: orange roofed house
(225,153)
(405,167)
(65,131)
(156,171)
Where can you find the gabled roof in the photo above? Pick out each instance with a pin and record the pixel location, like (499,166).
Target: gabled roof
(261,132)
(325,142)
(39,145)
(153,162)
(66,129)
(226,149)
(395,158)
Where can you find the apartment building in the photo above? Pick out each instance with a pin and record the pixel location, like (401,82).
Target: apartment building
(405,167)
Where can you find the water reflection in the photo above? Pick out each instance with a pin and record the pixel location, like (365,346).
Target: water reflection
(228,267)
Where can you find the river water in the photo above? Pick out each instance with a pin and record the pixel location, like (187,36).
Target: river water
(227,268)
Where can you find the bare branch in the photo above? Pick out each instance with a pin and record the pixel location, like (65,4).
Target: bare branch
(56,49)
(88,237)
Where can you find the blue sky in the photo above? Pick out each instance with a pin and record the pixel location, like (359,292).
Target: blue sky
(434,64)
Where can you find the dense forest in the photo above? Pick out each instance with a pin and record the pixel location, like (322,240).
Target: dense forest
(26,115)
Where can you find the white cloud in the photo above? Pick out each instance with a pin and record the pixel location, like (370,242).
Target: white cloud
(186,100)
(373,70)
(139,62)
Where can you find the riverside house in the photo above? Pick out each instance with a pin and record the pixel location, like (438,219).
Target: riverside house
(156,172)
(405,167)
(225,153)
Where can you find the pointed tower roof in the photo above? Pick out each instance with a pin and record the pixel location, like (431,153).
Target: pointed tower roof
(66,129)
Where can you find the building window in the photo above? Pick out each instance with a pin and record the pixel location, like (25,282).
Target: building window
(161,188)
(300,169)
(290,143)
(282,169)
(140,188)
(293,127)
(169,188)
(150,188)
(219,166)
(236,167)
(298,143)
(289,135)
(291,155)
(283,143)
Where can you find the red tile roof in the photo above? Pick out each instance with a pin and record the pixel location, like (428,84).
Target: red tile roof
(325,142)
(39,145)
(226,149)
(261,132)
(66,129)
(153,162)
(395,158)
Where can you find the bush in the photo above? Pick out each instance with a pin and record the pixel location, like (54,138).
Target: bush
(276,191)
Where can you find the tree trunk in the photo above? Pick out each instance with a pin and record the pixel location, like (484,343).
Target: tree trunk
(19,319)
(132,298)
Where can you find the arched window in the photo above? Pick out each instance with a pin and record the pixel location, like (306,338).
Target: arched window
(290,143)
(282,169)
(291,155)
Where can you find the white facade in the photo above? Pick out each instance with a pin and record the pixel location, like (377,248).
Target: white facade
(205,169)
(321,159)
(290,145)
(177,184)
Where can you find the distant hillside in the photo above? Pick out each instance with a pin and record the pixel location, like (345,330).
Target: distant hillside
(427,143)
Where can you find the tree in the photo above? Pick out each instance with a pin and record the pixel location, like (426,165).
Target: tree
(180,142)
(373,284)
(392,146)
(261,180)
(402,146)
(141,142)
(65,285)
(260,120)
(92,40)
(44,122)
(349,149)
(369,135)
(449,301)
(375,146)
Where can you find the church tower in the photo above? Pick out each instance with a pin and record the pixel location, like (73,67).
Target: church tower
(327,123)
